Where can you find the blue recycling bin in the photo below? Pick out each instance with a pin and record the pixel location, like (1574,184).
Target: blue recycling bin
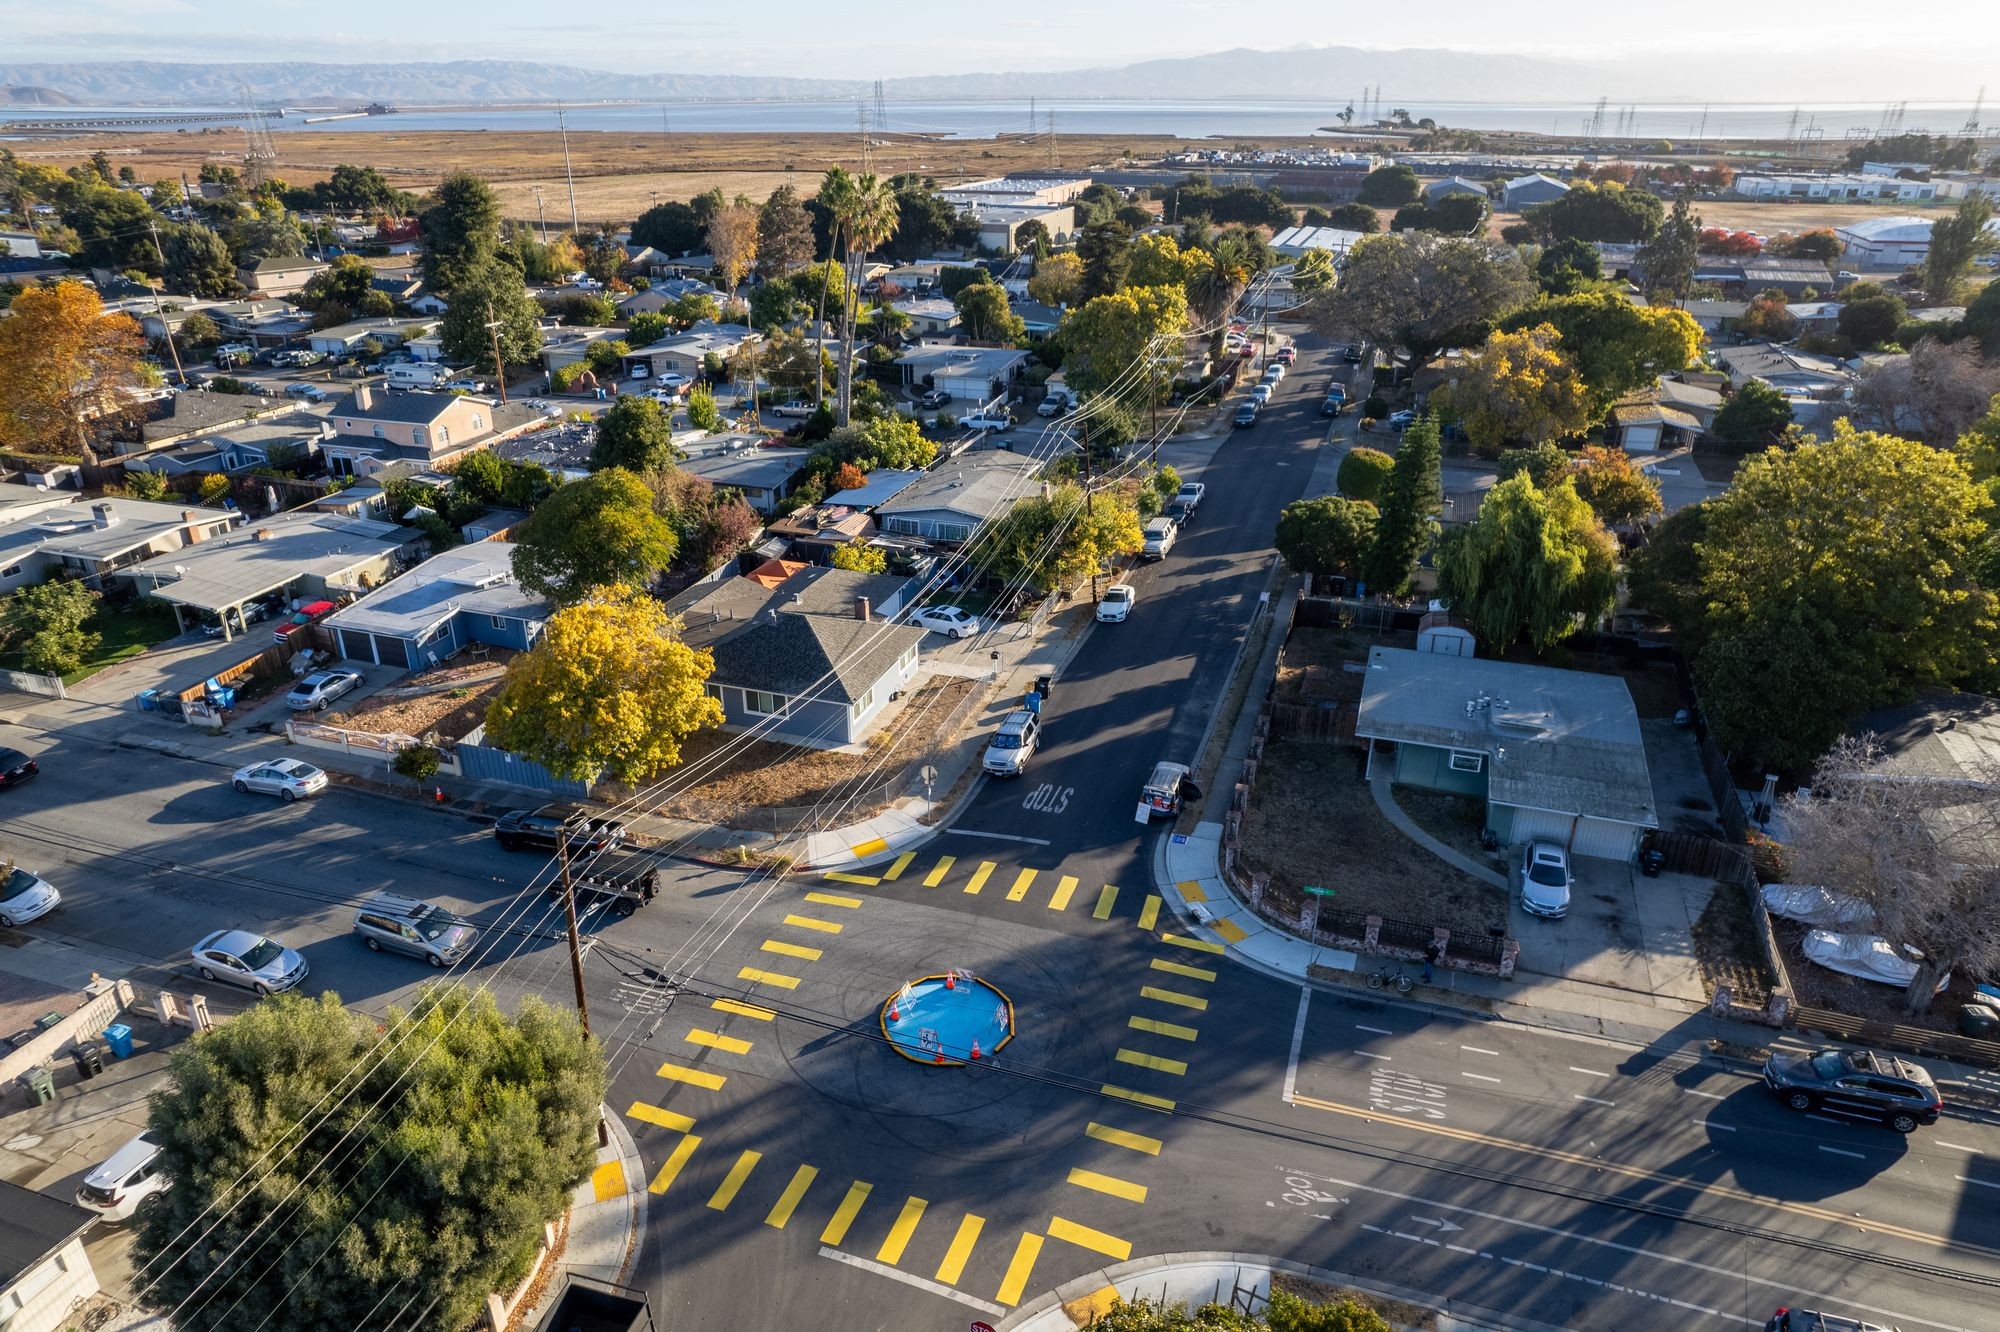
(119,1037)
(149,700)
(221,695)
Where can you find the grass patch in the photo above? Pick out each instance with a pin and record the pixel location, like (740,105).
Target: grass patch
(128,629)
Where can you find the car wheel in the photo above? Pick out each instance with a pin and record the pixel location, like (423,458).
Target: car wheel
(243,786)
(961,633)
(434,959)
(288,795)
(207,975)
(7,922)
(1903,1123)
(374,945)
(1799,1101)
(508,843)
(263,990)
(146,1205)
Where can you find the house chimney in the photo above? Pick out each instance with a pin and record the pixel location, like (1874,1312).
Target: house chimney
(861,610)
(264,534)
(364,398)
(101,514)
(191,533)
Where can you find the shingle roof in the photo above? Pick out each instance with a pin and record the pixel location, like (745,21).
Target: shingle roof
(975,484)
(225,571)
(711,612)
(820,656)
(33,1226)
(414,408)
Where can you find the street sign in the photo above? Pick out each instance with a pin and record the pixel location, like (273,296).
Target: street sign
(1319,892)
(1179,839)
(980,1327)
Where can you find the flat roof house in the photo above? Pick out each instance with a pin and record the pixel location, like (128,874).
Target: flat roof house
(763,476)
(301,554)
(344,338)
(1557,755)
(950,501)
(107,537)
(464,596)
(967,374)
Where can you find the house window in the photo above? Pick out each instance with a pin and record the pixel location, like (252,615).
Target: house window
(763,703)
(714,691)
(417,434)
(11,571)
(478,421)
(444,436)
(953,532)
(865,702)
(1463,760)
(497,621)
(377,432)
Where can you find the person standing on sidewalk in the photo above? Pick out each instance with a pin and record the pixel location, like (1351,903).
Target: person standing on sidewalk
(1432,952)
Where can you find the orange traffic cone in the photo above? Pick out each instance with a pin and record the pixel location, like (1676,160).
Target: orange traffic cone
(950,981)
(975,1049)
(439,795)
(937,1057)
(893,1017)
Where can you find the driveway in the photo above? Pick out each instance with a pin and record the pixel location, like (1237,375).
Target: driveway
(1623,930)
(182,662)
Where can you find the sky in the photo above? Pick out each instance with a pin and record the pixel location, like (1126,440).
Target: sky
(879,39)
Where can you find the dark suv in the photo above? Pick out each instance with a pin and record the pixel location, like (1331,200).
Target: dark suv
(1807,1320)
(1859,1083)
(543,829)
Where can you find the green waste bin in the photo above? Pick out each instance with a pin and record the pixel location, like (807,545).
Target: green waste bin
(41,1084)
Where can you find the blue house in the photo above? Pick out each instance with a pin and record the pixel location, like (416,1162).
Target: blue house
(448,602)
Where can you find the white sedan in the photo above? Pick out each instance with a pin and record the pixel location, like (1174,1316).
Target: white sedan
(1116,603)
(946,620)
(288,779)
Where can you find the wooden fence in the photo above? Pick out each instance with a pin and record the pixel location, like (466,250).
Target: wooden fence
(1326,720)
(1698,853)
(1893,1036)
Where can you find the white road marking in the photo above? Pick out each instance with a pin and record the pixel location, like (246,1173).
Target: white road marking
(1589,1072)
(1298,1039)
(1379,1031)
(1842,1151)
(1706,1096)
(1398,1093)
(1711,1124)
(1370,1054)
(921,1283)
(1594,1100)
(1824,1119)
(1982,1183)
(1481,1076)
(1473,1049)
(1955,1146)
(1003,837)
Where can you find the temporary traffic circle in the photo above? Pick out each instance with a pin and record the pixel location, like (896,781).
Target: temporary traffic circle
(948,1020)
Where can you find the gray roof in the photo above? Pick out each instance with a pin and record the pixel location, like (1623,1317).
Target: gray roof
(205,411)
(33,1226)
(761,469)
(416,408)
(1566,741)
(977,485)
(1940,734)
(478,578)
(883,485)
(818,656)
(280,263)
(711,612)
(963,360)
(227,571)
(73,530)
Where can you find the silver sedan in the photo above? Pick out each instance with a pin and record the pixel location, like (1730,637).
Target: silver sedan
(288,779)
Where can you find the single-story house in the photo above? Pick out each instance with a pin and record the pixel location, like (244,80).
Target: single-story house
(363,499)
(1816,316)
(686,353)
(813,659)
(236,448)
(1787,369)
(1534,188)
(763,476)
(1648,427)
(1716,316)
(1037,320)
(299,554)
(45,1275)
(21,244)
(970,375)
(279,275)
(1751,277)
(1697,400)
(1557,755)
(1439,189)
(949,502)
(466,595)
(816,531)
(1292,242)
(182,416)
(494,524)
(930,317)
(342,339)
(568,345)
(106,537)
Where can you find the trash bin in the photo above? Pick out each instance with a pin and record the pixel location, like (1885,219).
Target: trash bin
(1042,684)
(1978,1021)
(89,1060)
(149,700)
(119,1037)
(41,1084)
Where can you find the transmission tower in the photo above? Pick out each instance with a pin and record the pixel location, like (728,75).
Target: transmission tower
(1052,139)
(881,110)
(1792,133)
(861,124)
(1972,118)
(259,152)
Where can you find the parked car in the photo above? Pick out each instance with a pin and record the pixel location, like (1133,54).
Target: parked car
(546,828)
(1008,752)
(1191,494)
(1287,355)
(16,767)
(309,392)
(1274,373)
(946,620)
(310,613)
(1159,534)
(1260,394)
(1166,788)
(1178,513)
(1809,1320)
(239,620)
(25,896)
(288,779)
(1351,355)
(1246,415)
(244,958)
(934,399)
(1545,880)
(126,1183)
(321,688)
(419,929)
(1331,405)
(1402,420)
(466,385)
(993,422)
(1858,1083)
(1116,603)
(794,411)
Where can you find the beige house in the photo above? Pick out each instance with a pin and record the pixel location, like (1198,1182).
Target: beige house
(276,276)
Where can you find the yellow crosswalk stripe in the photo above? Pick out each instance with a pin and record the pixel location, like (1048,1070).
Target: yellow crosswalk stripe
(808,923)
(1102,911)
(1182,969)
(1149,913)
(1118,1137)
(843,1215)
(788,1201)
(892,1248)
(1199,945)
(694,1077)
(953,1266)
(1137,1098)
(895,871)
(1086,1238)
(727,1044)
(1172,1029)
(1141,1060)
(1020,888)
(757,977)
(938,871)
(1231,932)
(733,1181)
(1065,889)
(671,1167)
(1190,891)
(1195,1002)
(742,1010)
(666,1119)
(979,876)
(865,880)
(833,899)
(1019,1269)
(1117,1188)
(783,949)
(874,846)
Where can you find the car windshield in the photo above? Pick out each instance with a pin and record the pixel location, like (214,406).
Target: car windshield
(1117,594)
(1547,875)
(261,954)
(20,881)
(437,922)
(1007,740)
(1828,1064)
(304,772)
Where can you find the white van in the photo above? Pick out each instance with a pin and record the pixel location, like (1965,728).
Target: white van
(417,375)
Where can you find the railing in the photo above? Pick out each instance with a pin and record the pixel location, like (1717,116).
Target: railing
(1894,1036)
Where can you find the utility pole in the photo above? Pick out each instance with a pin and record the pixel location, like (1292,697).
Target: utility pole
(159,310)
(569,917)
(563,126)
(540,221)
(499,366)
(1089,498)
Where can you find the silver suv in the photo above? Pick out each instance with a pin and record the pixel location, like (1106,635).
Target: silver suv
(420,929)
(1008,752)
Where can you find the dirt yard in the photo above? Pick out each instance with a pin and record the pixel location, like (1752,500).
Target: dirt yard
(1324,663)
(451,705)
(1815,986)
(1312,820)
(1725,947)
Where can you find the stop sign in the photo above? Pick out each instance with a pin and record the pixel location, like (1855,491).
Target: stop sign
(980,1327)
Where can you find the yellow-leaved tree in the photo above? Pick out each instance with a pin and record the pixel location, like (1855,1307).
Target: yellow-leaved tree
(1520,386)
(610,690)
(65,368)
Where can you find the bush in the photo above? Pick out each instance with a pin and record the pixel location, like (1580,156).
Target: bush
(1375,406)
(1363,473)
(225,384)
(418,762)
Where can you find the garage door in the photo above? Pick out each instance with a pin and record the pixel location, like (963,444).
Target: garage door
(1539,825)
(391,651)
(1604,839)
(353,647)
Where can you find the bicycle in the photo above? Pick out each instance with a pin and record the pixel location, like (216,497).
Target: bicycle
(1384,976)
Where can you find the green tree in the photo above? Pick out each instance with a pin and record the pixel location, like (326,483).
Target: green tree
(1058,280)
(1982,319)
(1327,535)
(417,762)
(985,315)
(199,263)
(1534,563)
(340,288)
(1408,510)
(461,225)
(146,485)
(490,293)
(1979,447)
(671,228)
(1059,540)
(428,1147)
(597,532)
(1670,258)
(1568,266)
(1665,574)
(48,620)
(268,232)
(1754,416)
(198,330)
(1109,336)
(1105,250)
(1956,241)
(1607,212)
(113,228)
(1850,564)
(1364,473)
(1423,293)
(702,412)
(865,213)
(1520,386)
(1449,215)
(360,189)
(609,689)
(1872,320)
(860,557)
(893,442)
(1616,491)
(1617,346)
(1312,273)
(636,434)
(1390,187)
(1354,217)
(784,234)
(1545,463)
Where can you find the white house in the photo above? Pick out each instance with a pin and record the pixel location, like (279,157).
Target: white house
(1900,241)
(1533,188)
(44,1272)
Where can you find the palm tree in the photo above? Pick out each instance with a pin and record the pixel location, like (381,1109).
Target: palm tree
(1220,284)
(866,216)
(836,191)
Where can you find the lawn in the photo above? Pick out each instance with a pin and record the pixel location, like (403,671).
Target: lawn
(128,629)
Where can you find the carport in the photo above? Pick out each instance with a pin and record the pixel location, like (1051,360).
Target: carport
(302,553)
